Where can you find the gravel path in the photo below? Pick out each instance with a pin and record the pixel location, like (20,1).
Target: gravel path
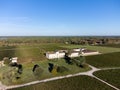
(2,87)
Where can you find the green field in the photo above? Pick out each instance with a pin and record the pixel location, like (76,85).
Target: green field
(97,48)
(110,76)
(7,52)
(29,55)
(72,83)
(28,75)
(111,45)
(104,60)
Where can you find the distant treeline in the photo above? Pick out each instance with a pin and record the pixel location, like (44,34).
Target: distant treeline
(92,40)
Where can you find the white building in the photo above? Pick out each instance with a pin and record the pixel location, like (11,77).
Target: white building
(89,52)
(53,55)
(74,54)
(78,49)
(14,59)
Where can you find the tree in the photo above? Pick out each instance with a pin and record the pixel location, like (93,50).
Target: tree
(79,61)
(82,60)
(67,59)
(50,68)
(7,61)
(35,66)
(61,69)
(20,68)
(54,70)
(38,72)
(10,76)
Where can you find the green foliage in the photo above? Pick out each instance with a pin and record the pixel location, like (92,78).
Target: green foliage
(82,60)
(104,60)
(28,75)
(38,72)
(20,68)
(68,59)
(54,70)
(7,61)
(79,61)
(72,83)
(85,65)
(110,76)
(35,66)
(10,76)
(62,69)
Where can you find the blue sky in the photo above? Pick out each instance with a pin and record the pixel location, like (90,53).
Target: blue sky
(59,17)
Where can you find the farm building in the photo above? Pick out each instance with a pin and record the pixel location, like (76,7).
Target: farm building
(73,53)
(57,54)
(87,52)
(78,49)
(14,59)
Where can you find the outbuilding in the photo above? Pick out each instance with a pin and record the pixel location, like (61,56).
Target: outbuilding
(14,59)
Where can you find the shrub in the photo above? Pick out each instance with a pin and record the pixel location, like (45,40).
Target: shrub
(38,72)
(61,69)
(50,68)
(13,64)
(68,59)
(79,61)
(54,70)
(10,76)
(20,68)
(7,61)
(35,66)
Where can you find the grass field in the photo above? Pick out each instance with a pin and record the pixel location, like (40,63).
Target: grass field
(110,76)
(6,52)
(29,55)
(104,60)
(97,48)
(35,52)
(111,45)
(72,83)
(28,75)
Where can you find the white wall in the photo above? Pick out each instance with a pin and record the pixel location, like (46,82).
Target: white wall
(55,55)
(74,55)
(90,53)
(77,49)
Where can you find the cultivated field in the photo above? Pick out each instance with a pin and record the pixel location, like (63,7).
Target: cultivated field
(28,53)
(110,76)
(104,60)
(97,48)
(111,45)
(6,51)
(72,83)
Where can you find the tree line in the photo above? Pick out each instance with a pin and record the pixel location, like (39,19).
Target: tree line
(61,39)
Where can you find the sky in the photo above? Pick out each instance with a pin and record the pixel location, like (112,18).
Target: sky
(59,17)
